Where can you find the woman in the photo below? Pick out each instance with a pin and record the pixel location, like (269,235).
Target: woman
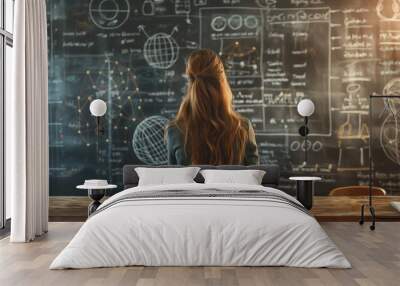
(206,129)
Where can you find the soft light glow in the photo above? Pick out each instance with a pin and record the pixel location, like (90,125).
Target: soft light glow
(98,107)
(306,107)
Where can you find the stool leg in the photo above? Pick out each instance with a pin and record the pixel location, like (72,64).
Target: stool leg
(362,215)
(372,211)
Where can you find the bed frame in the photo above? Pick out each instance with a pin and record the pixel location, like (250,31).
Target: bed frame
(270,179)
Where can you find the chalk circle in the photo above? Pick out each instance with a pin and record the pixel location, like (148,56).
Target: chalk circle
(353,88)
(109,14)
(303,146)
(251,22)
(317,146)
(235,22)
(218,24)
(295,146)
(388,10)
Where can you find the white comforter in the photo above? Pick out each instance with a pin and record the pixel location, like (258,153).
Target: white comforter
(206,231)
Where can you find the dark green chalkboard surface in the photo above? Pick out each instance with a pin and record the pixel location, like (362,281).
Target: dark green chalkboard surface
(132,55)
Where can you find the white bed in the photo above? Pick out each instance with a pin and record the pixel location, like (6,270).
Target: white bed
(185,230)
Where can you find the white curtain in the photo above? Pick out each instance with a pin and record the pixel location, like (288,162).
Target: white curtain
(27,128)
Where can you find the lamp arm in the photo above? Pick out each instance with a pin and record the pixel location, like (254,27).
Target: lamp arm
(99,128)
(306,139)
(97,125)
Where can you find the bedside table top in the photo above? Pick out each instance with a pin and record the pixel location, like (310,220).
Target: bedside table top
(304,178)
(86,187)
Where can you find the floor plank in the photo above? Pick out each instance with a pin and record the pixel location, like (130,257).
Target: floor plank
(375,257)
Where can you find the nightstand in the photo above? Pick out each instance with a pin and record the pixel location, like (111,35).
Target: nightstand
(96,193)
(305,190)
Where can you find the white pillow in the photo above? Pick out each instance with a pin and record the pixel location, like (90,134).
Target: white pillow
(248,177)
(166,176)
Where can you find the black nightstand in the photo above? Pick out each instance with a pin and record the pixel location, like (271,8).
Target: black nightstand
(305,190)
(96,193)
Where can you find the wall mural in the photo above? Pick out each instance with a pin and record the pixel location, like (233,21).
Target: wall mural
(132,55)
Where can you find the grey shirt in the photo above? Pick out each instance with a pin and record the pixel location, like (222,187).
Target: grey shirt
(178,156)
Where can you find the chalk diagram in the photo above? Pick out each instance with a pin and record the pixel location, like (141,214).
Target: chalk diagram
(241,57)
(148,140)
(268,80)
(390,129)
(254,57)
(353,134)
(160,50)
(235,34)
(117,85)
(388,10)
(240,60)
(109,14)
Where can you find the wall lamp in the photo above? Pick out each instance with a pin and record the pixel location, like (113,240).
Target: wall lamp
(305,108)
(98,108)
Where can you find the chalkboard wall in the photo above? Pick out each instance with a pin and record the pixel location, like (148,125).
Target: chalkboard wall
(132,55)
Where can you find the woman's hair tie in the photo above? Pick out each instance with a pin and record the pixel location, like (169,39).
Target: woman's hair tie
(195,77)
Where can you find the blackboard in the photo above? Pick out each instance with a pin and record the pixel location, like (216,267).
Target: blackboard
(132,55)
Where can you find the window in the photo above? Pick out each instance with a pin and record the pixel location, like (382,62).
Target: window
(8,73)
(9,15)
(6,65)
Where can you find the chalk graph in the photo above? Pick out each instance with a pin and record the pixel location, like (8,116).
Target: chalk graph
(117,85)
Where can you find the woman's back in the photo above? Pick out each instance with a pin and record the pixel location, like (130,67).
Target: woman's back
(177,155)
(206,129)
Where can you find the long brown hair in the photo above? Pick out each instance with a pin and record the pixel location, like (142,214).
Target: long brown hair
(213,132)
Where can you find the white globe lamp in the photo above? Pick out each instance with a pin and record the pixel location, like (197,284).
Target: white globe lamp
(98,108)
(306,108)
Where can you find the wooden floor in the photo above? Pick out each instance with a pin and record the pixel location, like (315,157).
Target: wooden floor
(375,257)
(325,208)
